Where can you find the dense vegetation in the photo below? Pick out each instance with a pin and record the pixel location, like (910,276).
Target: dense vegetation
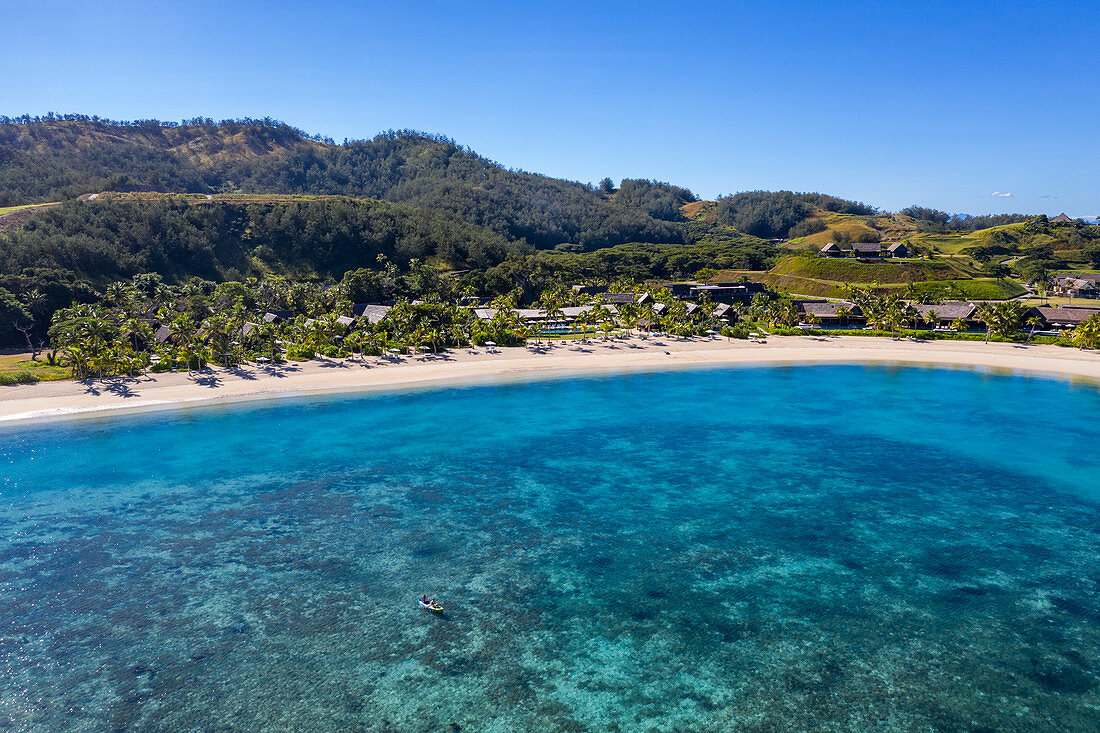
(204,322)
(68,252)
(940,222)
(53,158)
(101,241)
(774,214)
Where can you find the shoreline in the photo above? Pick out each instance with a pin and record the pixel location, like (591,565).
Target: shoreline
(50,401)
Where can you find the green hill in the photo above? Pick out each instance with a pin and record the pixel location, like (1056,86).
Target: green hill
(57,158)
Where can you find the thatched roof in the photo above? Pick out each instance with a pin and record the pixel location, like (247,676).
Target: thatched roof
(826,309)
(276,316)
(373,313)
(1066,315)
(948,311)
(875,247)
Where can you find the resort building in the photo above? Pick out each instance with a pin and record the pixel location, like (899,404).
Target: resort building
(947,313)
(163,334)
(865,250)
(897,249)
(731,293)
(1066,316)
(371,312)
(589,289)
(618,298)
(1077,285)
(278,316)
(725,312)
(830,313)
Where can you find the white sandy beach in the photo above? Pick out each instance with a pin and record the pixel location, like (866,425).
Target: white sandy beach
(159,391)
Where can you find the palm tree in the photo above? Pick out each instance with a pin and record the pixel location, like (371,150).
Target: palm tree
(1087,334)
(988,316)
(628,314)
(551,306)
(354,343)
(1033,323)
(842,314)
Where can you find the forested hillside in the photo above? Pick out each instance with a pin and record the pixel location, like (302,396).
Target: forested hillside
(57,158)
(68,251)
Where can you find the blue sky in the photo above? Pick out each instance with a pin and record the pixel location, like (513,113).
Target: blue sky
(937,103)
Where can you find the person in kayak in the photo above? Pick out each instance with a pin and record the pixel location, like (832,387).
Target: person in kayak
(425,601)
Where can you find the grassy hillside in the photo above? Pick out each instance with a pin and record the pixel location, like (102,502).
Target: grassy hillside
(825,277)
(854,271)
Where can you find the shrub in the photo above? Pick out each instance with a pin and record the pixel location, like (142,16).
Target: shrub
(299,353)
(739,331)
(23,377)
(806,228)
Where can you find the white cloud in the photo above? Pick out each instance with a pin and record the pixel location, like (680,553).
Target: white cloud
(1000,195)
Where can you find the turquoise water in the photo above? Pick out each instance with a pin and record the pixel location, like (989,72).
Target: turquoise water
(806,548)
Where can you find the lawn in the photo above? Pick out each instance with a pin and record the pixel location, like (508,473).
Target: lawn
(1058,300)
(846,270)
(976,289)
(12,363)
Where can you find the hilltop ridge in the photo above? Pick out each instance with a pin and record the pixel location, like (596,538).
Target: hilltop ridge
(57,158)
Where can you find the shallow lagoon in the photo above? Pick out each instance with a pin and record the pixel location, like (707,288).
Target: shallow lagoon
(836,548)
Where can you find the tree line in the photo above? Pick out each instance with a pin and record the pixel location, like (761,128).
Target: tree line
(934,221)
(774,214)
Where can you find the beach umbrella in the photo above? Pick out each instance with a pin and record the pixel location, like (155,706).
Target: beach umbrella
(395,351)
(425,348)
(490,343)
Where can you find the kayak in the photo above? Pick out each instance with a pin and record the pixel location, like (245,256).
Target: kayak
(433,607)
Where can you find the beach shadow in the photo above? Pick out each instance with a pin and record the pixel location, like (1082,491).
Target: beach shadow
(90,387)
(119,388)
(279,371)
(332,364)
(436,357)
(242,374)
(207,380)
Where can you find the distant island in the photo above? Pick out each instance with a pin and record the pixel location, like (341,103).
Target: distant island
(149,245)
